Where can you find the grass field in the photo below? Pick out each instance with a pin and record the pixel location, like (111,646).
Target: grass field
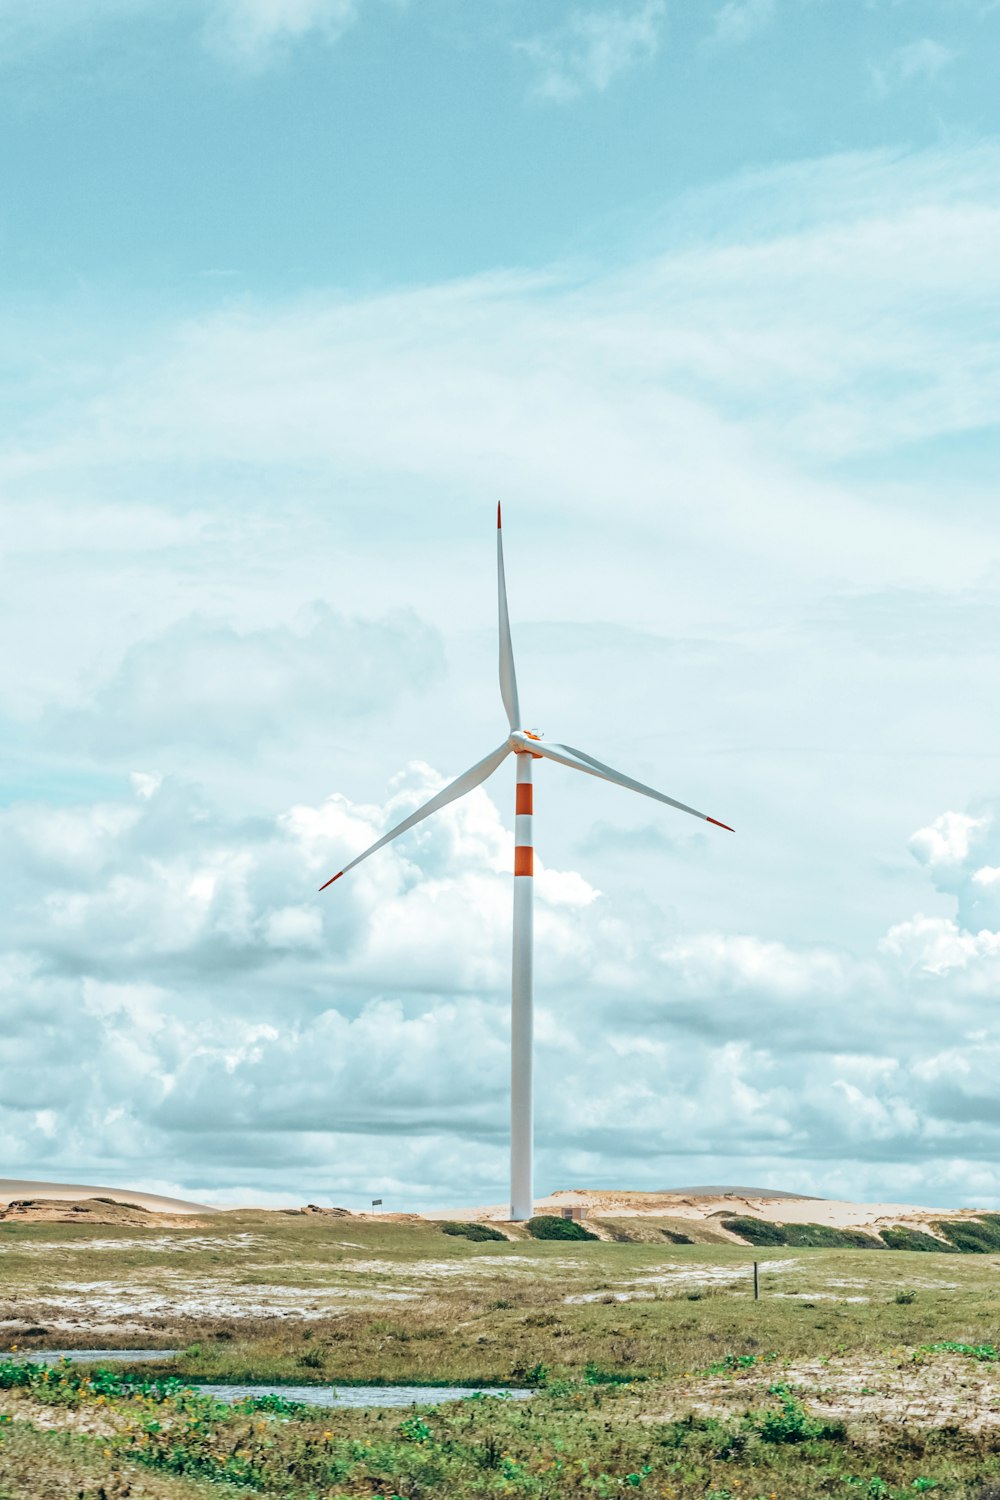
(657,1372)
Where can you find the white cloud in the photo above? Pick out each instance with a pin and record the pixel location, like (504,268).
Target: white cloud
(253,33)
(738,20)
(249,34)
(921,59)
(592,49)
(948,840)
(140,981)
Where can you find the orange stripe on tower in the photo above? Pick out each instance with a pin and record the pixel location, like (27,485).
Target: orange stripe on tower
(523,800)
(524,859)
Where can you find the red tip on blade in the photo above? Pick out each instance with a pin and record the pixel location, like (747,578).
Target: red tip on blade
(332,879)
(707,820)
(498,515)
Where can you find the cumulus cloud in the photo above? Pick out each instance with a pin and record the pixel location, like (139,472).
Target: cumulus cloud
(142,942)
(593,49)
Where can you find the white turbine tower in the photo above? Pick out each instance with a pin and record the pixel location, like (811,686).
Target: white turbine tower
(528,747)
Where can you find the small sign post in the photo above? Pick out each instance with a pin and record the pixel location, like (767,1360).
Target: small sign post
(376,1203)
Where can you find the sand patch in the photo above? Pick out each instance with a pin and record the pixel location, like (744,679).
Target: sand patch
(674,1276)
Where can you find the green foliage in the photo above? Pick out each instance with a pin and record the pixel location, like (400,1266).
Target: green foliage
(473,1230)
(790,1423)
(595,1375)
(901,1238)
(757,1231)
(905,1296)
(801,1236)
(974,1236)
(550,1227)
(988,1353)
(732,1362)
(676,1237)
(415,1430)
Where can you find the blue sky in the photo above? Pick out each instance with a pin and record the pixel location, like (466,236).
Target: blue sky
(164,147)
(292,292)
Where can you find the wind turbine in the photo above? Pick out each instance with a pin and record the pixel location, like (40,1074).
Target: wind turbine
(527,747)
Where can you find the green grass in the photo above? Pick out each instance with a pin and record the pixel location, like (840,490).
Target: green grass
(37,1465)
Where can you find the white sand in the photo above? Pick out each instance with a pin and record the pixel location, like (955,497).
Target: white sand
(12,1189)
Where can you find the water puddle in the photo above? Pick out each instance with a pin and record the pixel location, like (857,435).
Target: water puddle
(362,1395)
(309,1395)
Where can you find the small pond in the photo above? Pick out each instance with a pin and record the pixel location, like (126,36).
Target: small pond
(361,1395)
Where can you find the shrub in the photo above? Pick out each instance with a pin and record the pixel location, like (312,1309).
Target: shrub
(757,1231)
(676,1238)
(915,1239)
(473,1231)
(973,1236)
(549,1227)
(802,1236)
(905,1296)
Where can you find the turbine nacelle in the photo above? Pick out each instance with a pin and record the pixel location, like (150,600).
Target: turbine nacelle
(525,742)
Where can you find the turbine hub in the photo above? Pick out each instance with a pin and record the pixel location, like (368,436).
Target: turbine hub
(521,740)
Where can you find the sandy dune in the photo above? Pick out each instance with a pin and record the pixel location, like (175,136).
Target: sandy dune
(14,1190)
(699,1204)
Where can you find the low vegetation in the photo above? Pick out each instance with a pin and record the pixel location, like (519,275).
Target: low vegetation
(802,1236)
(551,1227)
(915,1239)
(473,1230)
(656,1371)
(979,1236)
(973,1236)
(574,1440)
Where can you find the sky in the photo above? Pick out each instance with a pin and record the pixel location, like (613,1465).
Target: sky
(291,293)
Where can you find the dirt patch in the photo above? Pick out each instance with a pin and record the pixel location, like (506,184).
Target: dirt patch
(91,1211)
(911,1390)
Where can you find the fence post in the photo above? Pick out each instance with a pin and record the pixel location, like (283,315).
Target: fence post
(756,1283)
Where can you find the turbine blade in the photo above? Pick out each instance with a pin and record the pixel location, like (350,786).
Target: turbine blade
(508,679)
(579,760)
(458,788)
